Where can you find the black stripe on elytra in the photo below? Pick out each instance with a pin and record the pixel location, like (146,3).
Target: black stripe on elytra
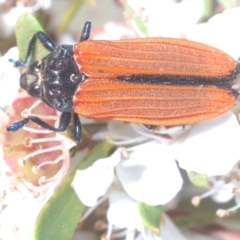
(181,80)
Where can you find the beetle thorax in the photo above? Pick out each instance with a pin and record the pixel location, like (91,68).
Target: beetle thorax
(54,79)
(60,78)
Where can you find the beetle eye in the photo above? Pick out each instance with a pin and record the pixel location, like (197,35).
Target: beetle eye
(34,91)
(34,67)
(27,80)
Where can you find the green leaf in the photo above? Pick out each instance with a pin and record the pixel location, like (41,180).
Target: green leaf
(69,13)
(198,179)
(27,25)
(59,217)
(138,21)
(208,10)
(151,216)
(188,216)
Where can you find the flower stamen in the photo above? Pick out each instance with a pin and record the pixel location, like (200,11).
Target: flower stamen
(44,116)
(197,199)
(40,140)
(35,168)
(109,231)
(226,212)
(33,130)
(100,225)
(15,228)
(43,179)
(35,104)
(104,237)
(27,142)
(41,151)
(27,112)
(13,189)
(124,154)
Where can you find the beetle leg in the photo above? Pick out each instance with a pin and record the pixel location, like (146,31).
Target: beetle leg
(46,42)
(73,151)
(150,127)
(86,31)
(16,125)
(63,122)
(77,127)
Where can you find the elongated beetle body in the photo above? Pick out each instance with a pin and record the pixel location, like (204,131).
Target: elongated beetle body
(151,81)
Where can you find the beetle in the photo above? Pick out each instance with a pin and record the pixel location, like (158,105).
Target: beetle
(151,81)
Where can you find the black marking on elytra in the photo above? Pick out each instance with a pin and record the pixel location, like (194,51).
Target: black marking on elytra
(182,80)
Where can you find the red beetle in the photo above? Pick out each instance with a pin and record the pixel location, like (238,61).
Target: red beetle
(152,81)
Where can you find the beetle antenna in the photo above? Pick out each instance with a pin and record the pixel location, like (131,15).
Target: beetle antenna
(16,63)
(237,68)
(86,31)
(46,42)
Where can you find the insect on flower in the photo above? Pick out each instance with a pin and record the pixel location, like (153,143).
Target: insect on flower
(151,81)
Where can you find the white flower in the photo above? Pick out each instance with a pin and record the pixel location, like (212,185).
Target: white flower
(34,161)
(25,189)
(18,219)
(9,18)
(167,18)
(123,212)
(147,172)
(169,231)
(149,175)
(124,221)
(219,32)
(93,182)
(211,147)
(9,78)
(113,31)
(223,188)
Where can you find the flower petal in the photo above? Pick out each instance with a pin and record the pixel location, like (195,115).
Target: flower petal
(8,75)
(222,196)
(150,175)
(157,16)
(17,220)
(217,33)
(169,230)
(123,211)
(212,146)
(121,131)
(93,182)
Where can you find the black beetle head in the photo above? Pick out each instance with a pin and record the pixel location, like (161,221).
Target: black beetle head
(54,79)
